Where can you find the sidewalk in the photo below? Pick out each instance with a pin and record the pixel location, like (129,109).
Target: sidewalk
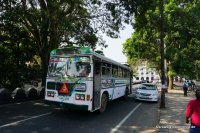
(172,118)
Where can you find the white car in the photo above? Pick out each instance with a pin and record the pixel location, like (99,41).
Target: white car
(147,92)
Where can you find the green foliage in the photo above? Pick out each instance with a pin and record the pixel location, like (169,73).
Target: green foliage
(33,28)
(16,50)
(181,37)
(144,44)
(171,71)
(99,52)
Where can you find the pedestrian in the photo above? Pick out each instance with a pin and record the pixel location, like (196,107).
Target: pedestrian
(185,89)
(193,85)
(189,85)
(193,113)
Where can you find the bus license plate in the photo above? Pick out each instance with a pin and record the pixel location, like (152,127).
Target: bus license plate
(64,98)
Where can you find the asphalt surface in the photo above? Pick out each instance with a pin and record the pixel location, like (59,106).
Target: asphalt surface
(121,116)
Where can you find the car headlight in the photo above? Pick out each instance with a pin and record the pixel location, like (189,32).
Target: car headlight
(80,87)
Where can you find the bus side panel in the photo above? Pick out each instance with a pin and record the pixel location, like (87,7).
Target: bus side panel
(120,87)
(119,91)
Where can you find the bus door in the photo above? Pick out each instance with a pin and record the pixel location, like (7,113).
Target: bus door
(97,84)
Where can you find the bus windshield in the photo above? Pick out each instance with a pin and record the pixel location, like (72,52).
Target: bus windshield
(69,67)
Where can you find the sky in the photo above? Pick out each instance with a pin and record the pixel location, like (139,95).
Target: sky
(115,47)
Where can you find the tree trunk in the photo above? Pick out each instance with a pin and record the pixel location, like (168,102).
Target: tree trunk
(163,78)
(45,62)
(171,82)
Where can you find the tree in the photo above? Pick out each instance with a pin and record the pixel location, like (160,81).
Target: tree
(15,51)
(144,43)
(47,24)
(179,36)
(99,52)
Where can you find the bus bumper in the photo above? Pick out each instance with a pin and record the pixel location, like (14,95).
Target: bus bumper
(67,105)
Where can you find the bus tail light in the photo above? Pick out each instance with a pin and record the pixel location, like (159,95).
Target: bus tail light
(50,93)
(77,96)
(80,97)
(88,97)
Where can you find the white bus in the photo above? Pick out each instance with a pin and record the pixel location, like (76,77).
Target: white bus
(79,78)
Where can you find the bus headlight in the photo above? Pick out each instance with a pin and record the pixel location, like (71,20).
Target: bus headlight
(80,87)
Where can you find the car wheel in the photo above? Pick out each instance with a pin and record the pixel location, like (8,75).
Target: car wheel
(136,100)
(156,101)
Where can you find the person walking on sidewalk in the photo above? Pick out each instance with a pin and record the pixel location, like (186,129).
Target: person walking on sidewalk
(185,88)
(193,113)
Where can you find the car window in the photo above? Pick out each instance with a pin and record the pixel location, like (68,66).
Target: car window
(143,88)
(148,87)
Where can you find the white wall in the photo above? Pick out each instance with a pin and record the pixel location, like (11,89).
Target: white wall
(146,74)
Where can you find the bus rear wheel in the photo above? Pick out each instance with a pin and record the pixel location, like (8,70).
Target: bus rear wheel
(104,102)
(126,94)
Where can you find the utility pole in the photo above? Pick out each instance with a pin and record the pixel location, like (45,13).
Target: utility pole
(162,49)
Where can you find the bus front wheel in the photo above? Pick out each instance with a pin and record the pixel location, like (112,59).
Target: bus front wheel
(104,102)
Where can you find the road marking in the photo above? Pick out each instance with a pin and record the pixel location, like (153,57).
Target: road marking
(125,118)
(17,122)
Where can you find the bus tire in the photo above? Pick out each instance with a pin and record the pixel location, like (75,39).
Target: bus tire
(126,94)
(104,102)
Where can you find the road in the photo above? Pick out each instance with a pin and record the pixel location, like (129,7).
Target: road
(127,116)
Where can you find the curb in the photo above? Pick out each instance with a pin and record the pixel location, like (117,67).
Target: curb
(161,129)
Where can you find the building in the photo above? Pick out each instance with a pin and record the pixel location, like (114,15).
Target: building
(145,73)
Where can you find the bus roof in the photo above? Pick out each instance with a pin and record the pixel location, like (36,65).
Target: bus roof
(65,51)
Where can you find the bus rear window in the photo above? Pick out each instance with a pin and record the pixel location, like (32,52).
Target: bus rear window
(69,67)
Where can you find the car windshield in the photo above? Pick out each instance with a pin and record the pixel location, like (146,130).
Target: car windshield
(69,67)
(147,87)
